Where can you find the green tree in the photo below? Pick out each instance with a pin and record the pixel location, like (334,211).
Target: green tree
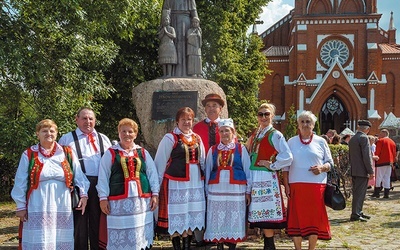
(233,58)
(291,125)
(135,63)
(317,127)
(53,56)
(58,56)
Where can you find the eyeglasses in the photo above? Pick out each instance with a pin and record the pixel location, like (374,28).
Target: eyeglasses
(266,114)
(306,121)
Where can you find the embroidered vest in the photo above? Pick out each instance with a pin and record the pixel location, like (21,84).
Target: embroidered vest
(233,163)
(266,150)
(125,169)
(35,168)
(181,156)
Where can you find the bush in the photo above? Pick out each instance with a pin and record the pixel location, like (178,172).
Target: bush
(340,155)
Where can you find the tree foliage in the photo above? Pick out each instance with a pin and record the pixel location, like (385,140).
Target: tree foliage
(56,56)
(232,57)
(291,126)
(135,63)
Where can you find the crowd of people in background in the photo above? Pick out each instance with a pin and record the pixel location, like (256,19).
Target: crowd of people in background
(203,186)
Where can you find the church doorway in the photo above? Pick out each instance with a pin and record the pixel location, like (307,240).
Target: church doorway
(333,115)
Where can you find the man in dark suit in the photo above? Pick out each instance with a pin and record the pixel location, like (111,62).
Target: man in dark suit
(361,169)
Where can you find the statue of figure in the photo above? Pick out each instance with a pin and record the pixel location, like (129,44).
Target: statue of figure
(194,66)
(181,11)
(167,56)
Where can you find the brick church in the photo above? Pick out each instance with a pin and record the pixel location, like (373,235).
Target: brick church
(331,57)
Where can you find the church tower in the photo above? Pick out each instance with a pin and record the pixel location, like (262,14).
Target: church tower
(331,57)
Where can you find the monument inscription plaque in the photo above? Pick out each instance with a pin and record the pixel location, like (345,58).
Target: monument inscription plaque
(166,104)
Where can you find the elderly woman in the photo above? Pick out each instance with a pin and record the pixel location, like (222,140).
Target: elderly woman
(228,186)
(180,162)
(45,177)
(128,190)
(305,184)
(269,153)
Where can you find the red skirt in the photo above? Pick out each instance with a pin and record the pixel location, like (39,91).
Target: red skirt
(307,212)
(162,224)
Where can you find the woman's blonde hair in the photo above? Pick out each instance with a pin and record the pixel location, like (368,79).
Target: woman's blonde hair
(128,122)
(46,123)
(269,106)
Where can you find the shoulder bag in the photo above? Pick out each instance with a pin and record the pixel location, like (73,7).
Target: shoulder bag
(333,196)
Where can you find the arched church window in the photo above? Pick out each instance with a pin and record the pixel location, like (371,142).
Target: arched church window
(332,49)
(332,106)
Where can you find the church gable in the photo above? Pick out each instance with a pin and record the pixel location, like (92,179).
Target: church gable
(329,84)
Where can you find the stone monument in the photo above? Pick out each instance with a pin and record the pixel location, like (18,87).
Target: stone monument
(181,85)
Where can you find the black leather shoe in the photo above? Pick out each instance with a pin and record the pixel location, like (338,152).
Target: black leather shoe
(365,216)
(361,219)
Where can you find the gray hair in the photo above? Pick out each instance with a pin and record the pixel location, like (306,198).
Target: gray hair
(363,128)
(307,114)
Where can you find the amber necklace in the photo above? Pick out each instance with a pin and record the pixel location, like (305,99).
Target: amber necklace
(189,143)
(53,151)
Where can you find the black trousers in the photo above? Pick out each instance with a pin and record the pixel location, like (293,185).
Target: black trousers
(86,226)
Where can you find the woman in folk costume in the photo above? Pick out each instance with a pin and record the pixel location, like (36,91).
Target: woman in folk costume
(180,162)
(269,153)
(45,177)
(228,186)
(128,190)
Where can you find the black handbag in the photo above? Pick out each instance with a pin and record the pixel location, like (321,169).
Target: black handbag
(75,197)
(333,197)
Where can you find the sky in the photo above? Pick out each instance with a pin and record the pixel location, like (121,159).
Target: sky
(277,9)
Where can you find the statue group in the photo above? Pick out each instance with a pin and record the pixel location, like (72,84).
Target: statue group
(180,39)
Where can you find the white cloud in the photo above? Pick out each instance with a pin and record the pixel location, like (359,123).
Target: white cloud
(272,13)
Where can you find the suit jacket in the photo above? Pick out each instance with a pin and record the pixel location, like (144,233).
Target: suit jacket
(360,155)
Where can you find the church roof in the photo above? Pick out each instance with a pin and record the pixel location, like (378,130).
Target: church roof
(391,121)
(390,48)
(346,131)
(277,51)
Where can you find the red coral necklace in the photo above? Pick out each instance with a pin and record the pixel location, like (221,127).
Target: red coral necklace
(304,142)
(53,151)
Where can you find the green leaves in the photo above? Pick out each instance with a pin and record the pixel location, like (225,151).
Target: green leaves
(233,58)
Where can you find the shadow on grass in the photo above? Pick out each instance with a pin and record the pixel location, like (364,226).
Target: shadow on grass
(336,222)
(7,213)
(9,230)
(392,224)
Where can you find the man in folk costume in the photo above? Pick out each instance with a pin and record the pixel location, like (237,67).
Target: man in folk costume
(208,128)
(89,145)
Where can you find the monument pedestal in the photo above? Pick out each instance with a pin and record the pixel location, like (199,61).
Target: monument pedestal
(153,129)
